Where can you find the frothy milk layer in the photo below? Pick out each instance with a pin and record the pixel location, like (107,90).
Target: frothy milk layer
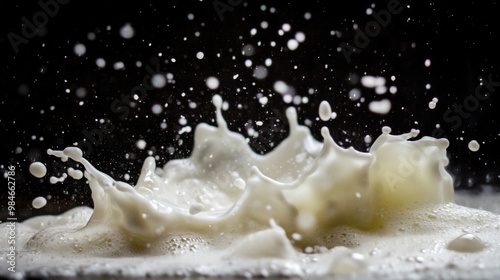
(306,208)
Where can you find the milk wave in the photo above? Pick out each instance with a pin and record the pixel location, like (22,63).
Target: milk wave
(227,203)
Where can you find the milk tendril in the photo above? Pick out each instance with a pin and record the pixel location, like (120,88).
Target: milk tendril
(305,208)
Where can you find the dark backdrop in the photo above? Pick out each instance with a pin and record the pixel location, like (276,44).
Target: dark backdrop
(42,105)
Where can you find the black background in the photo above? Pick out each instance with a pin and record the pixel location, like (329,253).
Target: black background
(36,112)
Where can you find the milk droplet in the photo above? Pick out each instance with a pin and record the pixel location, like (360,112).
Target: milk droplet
(380,107)
(100,62)
(75,174)
(260,72)
(156,109)
(300,37)
(158,81)
(212,82)
(127,31)
(372,82)
(466,243)
(354,94)
(325,110)
(39,202)
(292,44)
(141,144)
(473,146)
(38,169)
(80,49)
(368,139)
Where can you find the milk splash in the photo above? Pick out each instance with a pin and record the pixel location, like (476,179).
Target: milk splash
(305,208)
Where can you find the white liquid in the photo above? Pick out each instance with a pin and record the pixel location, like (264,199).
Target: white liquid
(307,208)
(325,111)
(38,169)
(39,202)
(473,146)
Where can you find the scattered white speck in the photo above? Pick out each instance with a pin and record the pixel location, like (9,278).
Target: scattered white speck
(427,63)
(200,55)
(248,50)
(80,49)
(280,87)
(127,31)
(91,36)
(325,111)
(263,100)
(292,44)
(38,169)
(368,139)
(119,65)
(212,82)
(156,109)
(140,144)
(300,37)
(354,94)
(39,202)
(380,107)
(260,72)
(81,92)
(372,82)
(190,16)
(473,146)
(286,27)
(158,80)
